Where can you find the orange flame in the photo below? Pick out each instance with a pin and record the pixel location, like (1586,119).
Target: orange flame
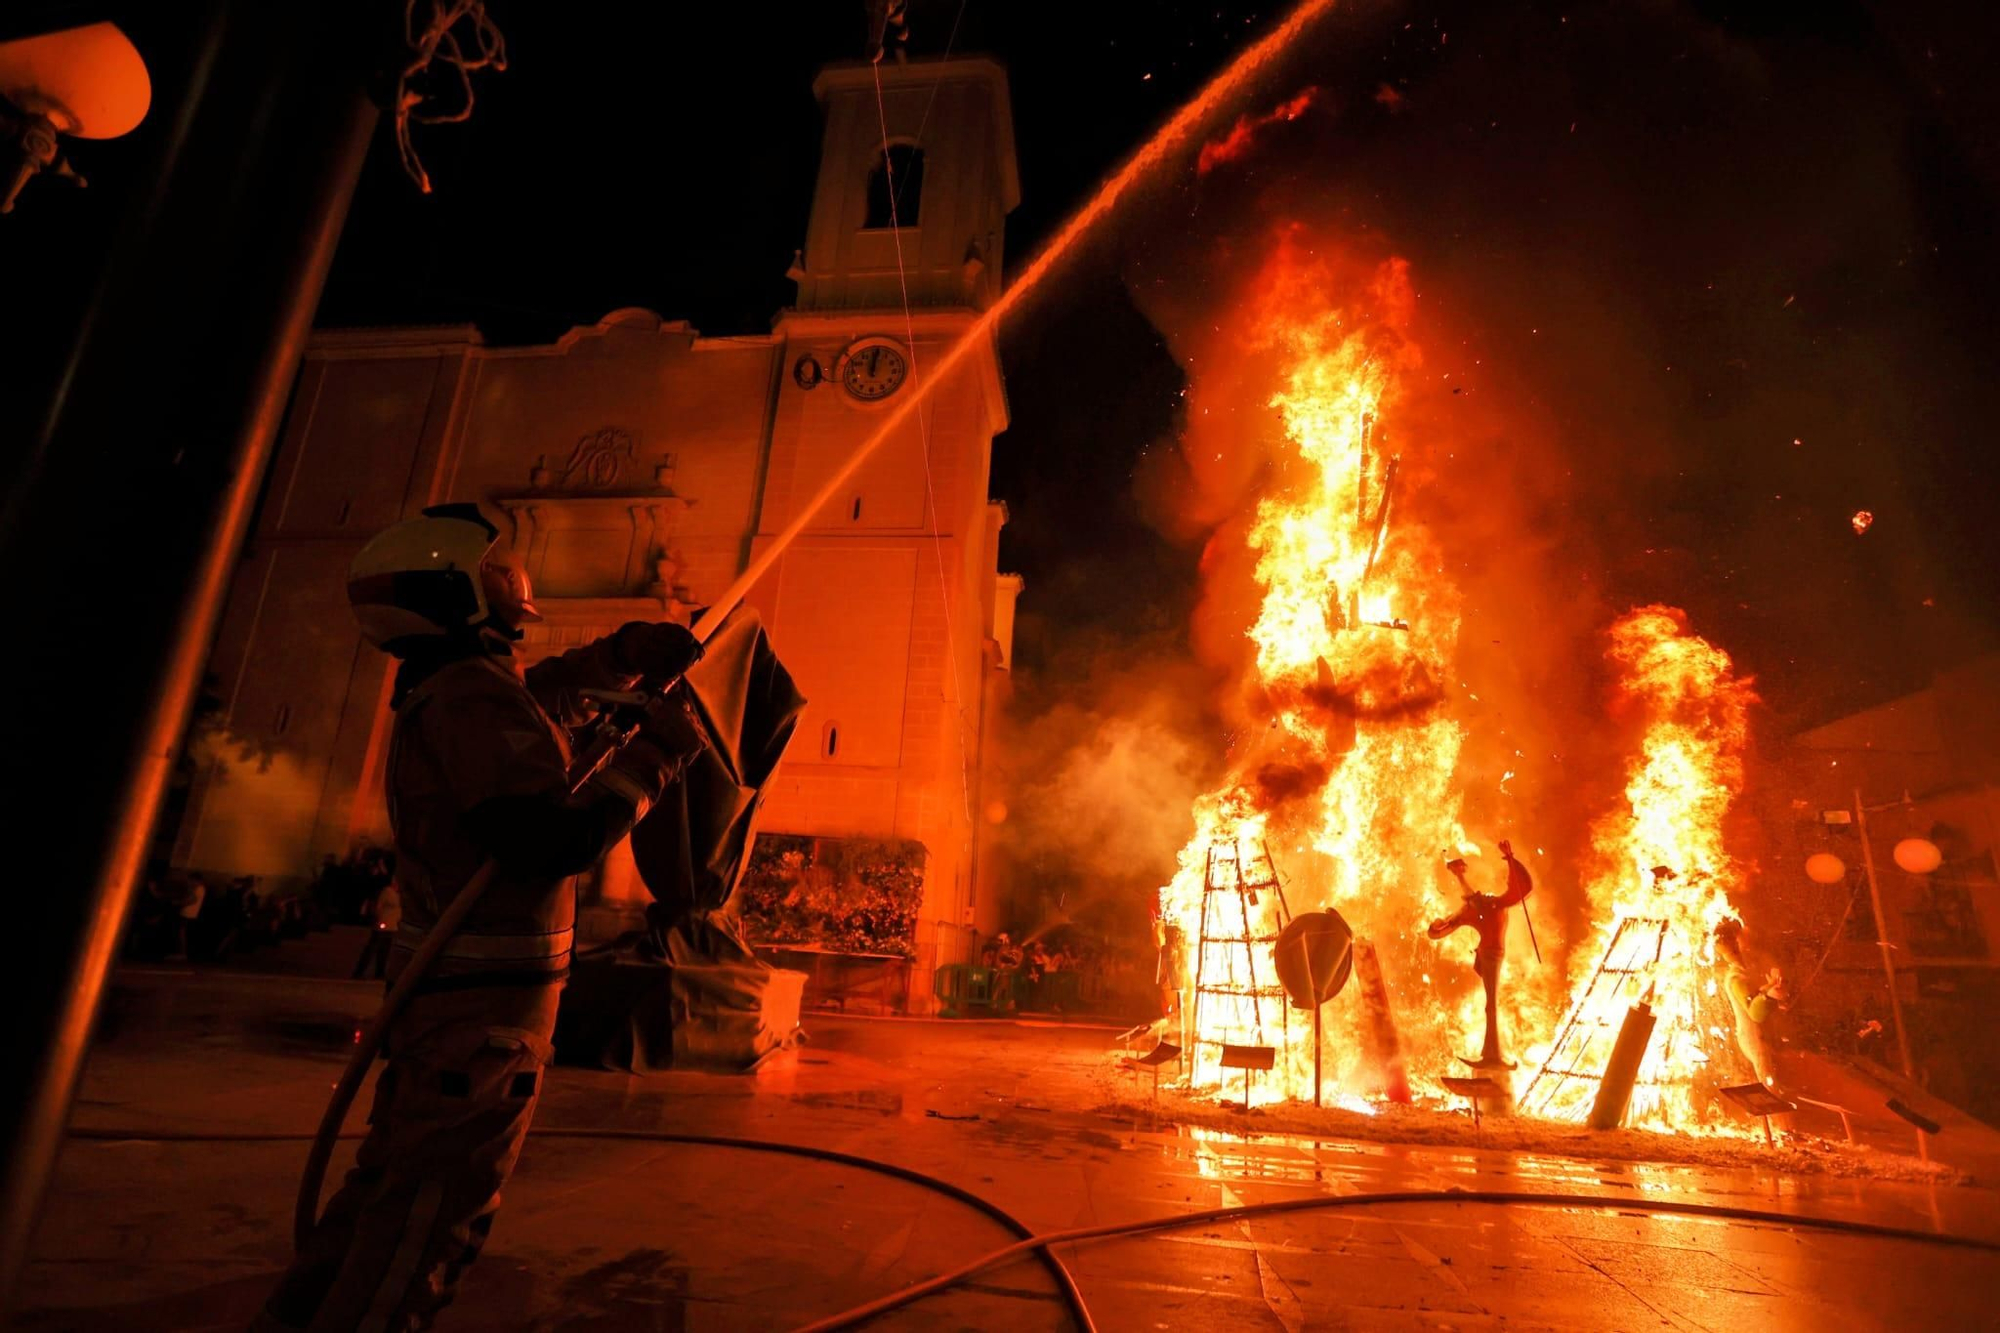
(1664,884)
(1346,791)
(1244,132)
(1347,796)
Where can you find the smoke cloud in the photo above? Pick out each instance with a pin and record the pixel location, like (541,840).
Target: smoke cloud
(1102,781)
(259,812)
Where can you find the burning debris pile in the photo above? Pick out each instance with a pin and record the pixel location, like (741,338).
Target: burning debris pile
(1346,795)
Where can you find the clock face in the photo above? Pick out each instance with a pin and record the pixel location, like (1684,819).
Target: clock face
(874,371)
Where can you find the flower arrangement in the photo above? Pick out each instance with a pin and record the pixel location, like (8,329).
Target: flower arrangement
(852,895)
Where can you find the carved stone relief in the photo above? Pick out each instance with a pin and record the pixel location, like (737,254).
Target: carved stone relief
(590,528)
(596,462)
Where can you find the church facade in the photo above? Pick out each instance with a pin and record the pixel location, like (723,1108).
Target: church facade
(636,466)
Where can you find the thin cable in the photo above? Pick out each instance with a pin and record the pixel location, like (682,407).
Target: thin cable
(1041,1243)
(1165,141)
(931,101)
(1837,939)
(436,41)
(930,489)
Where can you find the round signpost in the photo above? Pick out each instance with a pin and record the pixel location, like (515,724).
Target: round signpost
(1315,956)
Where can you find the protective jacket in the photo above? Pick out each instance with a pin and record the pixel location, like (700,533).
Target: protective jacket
(478,765)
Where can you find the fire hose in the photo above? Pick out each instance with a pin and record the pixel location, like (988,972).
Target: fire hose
(1041,1244)
(612,731)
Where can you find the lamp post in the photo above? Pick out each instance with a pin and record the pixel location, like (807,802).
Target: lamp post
(1882,938)
(129,497)
(1930,861)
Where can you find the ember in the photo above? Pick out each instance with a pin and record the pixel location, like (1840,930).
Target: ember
(1237,142)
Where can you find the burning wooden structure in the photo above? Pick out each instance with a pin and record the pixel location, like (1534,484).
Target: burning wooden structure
(1347,794)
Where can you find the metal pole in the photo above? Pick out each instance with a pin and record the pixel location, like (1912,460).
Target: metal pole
(1312,989)
(1316,1051)
(1882,937)
(127,530)
(1888,957)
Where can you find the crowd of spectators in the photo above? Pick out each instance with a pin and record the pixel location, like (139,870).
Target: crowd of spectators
(346,890)
(1057,973)
(190,916)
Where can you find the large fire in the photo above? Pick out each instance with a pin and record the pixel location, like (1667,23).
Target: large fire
(1662,886)
(1348,793)
(1349,798)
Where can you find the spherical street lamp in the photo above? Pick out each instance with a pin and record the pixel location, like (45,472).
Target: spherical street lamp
(88,83)
(1919,856)
(1825,868)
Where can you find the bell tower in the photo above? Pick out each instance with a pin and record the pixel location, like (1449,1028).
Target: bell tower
(947,183)
(885,608)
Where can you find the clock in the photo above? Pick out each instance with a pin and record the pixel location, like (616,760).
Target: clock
(873,368)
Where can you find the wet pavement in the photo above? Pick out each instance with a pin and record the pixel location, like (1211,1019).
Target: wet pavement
(144,1231)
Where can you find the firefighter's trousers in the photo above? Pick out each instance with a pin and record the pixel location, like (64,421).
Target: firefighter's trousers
(451,1109)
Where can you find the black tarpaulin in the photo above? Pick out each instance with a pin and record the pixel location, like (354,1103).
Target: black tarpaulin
(691,847)
(688,989)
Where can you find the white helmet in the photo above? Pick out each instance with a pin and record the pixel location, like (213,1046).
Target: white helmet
(431,577)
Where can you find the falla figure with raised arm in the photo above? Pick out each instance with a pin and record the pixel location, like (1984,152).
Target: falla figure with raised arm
(1486,913)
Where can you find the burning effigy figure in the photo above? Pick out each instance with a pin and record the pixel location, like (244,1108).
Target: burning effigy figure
(1487,914)
(1752,1005)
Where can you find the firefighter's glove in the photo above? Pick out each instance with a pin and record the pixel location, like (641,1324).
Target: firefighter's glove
(658,652)
(667,740)
(672,729)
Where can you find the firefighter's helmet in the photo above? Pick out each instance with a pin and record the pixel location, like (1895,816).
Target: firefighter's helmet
(435,576)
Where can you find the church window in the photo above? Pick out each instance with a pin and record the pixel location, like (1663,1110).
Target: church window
(898,178)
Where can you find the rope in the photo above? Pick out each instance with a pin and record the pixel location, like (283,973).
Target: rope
(437,41)
(924,434)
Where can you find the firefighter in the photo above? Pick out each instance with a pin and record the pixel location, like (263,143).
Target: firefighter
(476,770)
(1487,914)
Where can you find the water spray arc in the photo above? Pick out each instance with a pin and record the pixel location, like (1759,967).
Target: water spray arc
(1156,151)
(1150,156)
